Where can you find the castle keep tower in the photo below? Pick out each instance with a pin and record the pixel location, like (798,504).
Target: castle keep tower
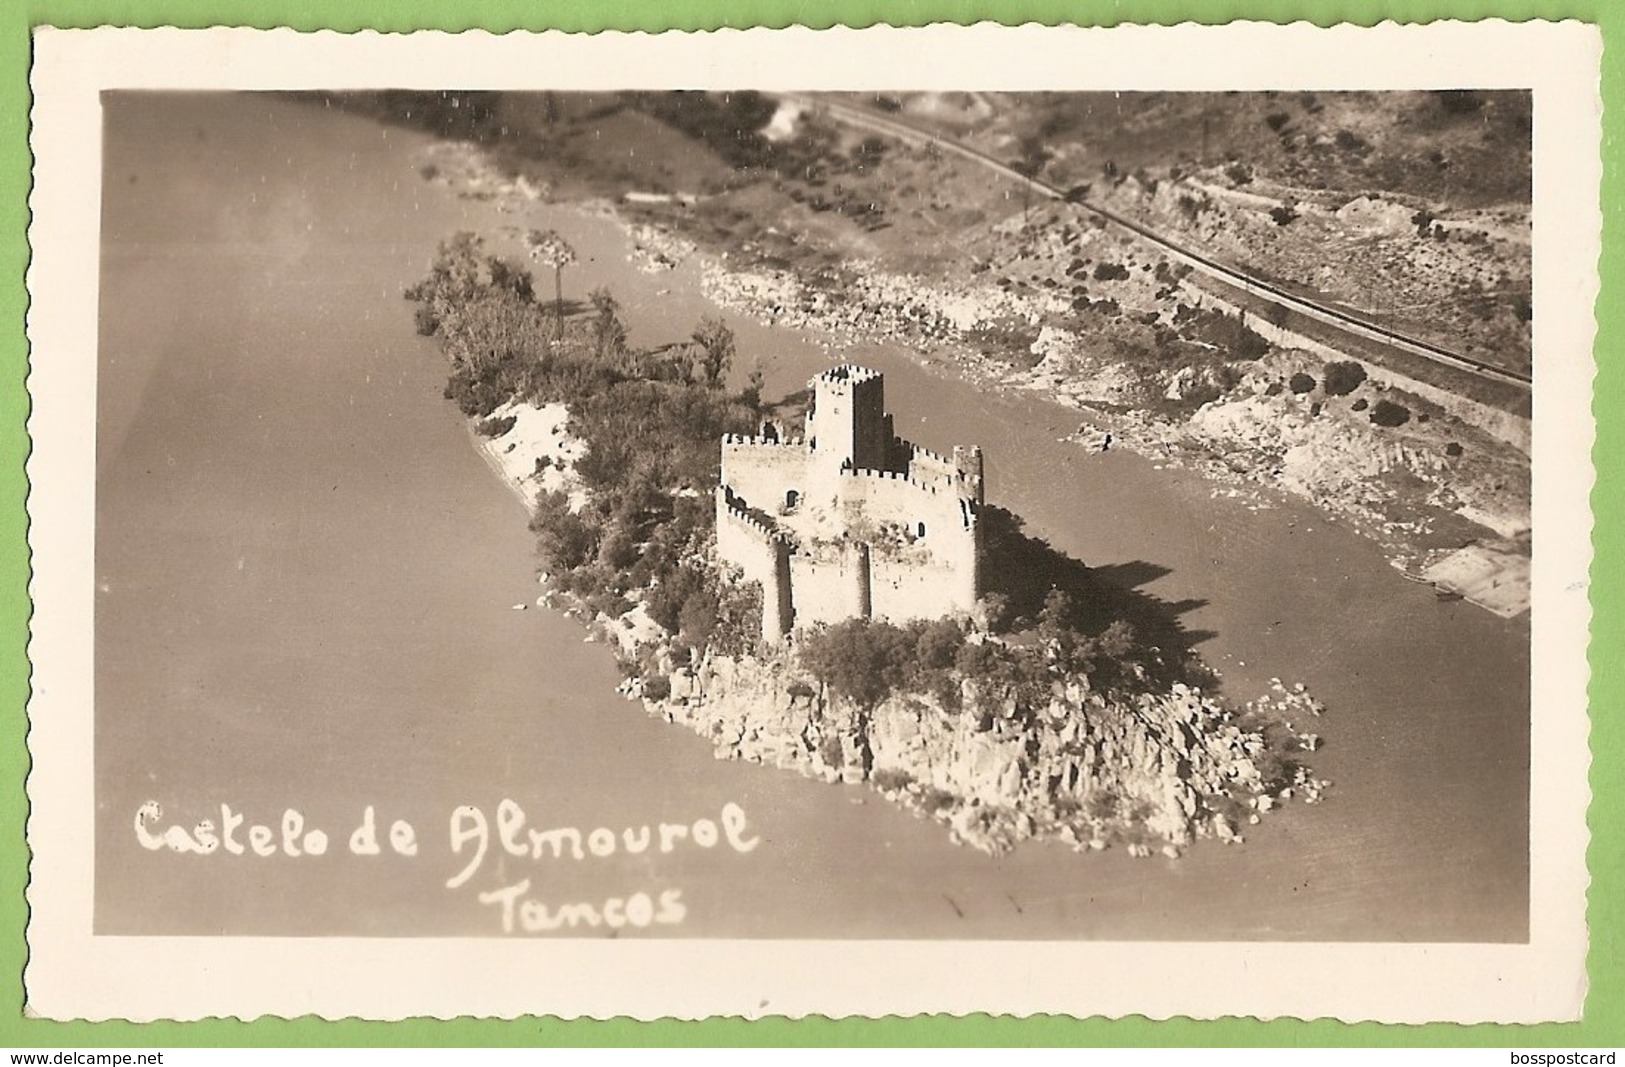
(852,521)
(847,424)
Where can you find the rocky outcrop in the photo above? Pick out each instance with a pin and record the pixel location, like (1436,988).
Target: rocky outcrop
(1152,772)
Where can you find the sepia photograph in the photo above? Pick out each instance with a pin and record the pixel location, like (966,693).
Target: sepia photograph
(756,513)
(1062,512)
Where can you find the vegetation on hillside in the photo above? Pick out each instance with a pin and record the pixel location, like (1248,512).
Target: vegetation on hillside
(866,660)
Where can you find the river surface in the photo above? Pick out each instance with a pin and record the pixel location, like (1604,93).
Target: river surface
(307,580)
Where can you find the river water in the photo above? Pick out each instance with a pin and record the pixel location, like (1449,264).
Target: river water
(307,580)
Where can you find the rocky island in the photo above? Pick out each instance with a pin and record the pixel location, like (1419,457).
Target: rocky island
(841,603)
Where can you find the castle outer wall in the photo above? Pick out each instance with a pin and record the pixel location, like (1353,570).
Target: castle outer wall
(764,556)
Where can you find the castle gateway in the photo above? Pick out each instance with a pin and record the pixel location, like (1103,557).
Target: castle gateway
(851,521)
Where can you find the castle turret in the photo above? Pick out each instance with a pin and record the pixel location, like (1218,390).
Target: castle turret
(863,592)
(968,462)
(778,609)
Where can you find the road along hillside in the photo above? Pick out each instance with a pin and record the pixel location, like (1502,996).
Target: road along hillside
(1479,384)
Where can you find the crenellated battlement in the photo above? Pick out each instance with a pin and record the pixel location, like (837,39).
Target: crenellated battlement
(962,471)
(917,453)
(847,374)
(751,439)
(732,508)
(901,477)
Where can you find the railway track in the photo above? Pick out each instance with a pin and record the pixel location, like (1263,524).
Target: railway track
(1233,276)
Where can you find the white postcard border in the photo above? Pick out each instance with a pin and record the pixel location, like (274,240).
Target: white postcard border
(73,974)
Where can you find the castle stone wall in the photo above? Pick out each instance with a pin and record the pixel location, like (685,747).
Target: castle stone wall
(885,497)
(925,576)
(963,555)
(930,467)
(961,473)
(910,585)
(763,472)
(830,583)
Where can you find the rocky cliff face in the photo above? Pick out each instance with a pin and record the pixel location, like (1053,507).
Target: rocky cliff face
(1151,772)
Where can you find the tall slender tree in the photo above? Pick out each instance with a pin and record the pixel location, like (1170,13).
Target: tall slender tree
(1034,158)
(550,249)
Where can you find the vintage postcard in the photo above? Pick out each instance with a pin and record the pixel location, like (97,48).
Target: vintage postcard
(783,522)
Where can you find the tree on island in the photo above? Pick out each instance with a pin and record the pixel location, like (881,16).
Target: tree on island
(716,349)
(550,249)
(609,332)
(752,393)
(462,273)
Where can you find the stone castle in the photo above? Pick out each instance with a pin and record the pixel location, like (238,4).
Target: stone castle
(850,521)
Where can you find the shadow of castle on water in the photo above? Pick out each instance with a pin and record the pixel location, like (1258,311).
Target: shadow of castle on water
(1023,569)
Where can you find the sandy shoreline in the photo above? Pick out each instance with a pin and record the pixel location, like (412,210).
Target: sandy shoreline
(537,454)
(539,436)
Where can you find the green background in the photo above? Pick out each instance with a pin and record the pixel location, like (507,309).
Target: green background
(1604,1023)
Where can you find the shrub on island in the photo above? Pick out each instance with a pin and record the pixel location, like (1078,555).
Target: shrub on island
(866,661)
(496,427)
